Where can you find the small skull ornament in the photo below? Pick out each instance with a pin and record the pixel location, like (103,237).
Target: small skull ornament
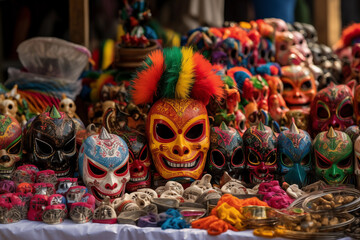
(81,212)
(175,186)
(105,213)
(54,214)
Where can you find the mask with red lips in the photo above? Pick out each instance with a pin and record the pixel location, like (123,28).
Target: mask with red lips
(260,153)
(139,161)
(178,134)
(104,165)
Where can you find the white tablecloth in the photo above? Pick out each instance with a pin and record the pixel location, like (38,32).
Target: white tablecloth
(95,231)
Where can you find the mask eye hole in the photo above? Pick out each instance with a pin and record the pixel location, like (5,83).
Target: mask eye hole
(15,148)
(306,85)
(253,158)
(122,170)
(242,125)
(195,132)
(69,146)
(286,160)
(43,148)
(345,163)
(95,171)
(346,111)
(287,87)
(237,158)
(322,113)
(217,158)
(271,159)
(306,160)
(322,162)
(144,154)
(164,131)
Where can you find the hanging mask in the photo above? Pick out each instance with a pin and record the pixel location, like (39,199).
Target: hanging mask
(51,142)
(332,106)
(139,161)
(260,153)
(299,86)
(294,153)
(104,165)
(10,145)
(226,153)
(333,156)
(178,133)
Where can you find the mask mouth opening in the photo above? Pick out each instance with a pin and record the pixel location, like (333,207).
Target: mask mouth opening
(101,196)
(139,179)
(189,165)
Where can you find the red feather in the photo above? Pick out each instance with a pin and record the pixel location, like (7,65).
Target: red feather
(350,33)
(207,83)
(146,81)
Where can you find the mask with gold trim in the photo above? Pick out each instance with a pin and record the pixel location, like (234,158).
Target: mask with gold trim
(333,156)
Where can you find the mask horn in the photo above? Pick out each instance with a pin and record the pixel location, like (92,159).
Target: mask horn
(104,135)
(331,133)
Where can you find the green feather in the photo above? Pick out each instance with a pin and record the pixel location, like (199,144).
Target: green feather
(167,84)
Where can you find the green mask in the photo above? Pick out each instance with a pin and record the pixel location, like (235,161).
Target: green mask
(333,154)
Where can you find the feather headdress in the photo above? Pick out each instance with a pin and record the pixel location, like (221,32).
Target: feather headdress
(177,73)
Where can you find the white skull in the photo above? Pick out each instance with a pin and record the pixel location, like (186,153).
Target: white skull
(204,183)
(233,187)
(208,194)
(192,193)
(125,204)
(149,192)
(175,186)
(172,195)
(68,106)
(160,190)
(140,198)
(8,107)
(294,191)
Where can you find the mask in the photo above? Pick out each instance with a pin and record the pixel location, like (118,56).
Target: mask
(260,153)
(333,156)
(286,52)
(299,86)
(332,106)
(355,63)
(104,165)
(261,92)
(302,46)
(226,153)
(51,142)
(277,105)
(266,51)
(178,134)
(139,161)
(278,24)
(294,153)
(10,145)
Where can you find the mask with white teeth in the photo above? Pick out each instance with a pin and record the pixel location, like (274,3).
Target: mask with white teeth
(50,142)
(226,153)
(10,145)
(260,153)
(104,165)
(178,133)
(139,161)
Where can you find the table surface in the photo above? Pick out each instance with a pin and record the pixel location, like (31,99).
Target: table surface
(69,230)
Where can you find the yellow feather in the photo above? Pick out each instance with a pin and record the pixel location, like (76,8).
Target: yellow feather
(186,75)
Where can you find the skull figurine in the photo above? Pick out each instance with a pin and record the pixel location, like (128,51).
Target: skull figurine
(139,161)
(192,193)
(333,156)
(65,184)
(46,176)
(50,142)
(68,106)
(226,153)
(75,194)
(54,214)
(10,145)
(294,153)
(299,86)
(37,206)
(56,199)
(178,133)
(140,198)
(175,186)
(81,212)
(8,107)
(105,213)
(8,213)
(24,188)
(332,106)
(260,153)
(104,165)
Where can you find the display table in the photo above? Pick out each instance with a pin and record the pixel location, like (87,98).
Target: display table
(94,231)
